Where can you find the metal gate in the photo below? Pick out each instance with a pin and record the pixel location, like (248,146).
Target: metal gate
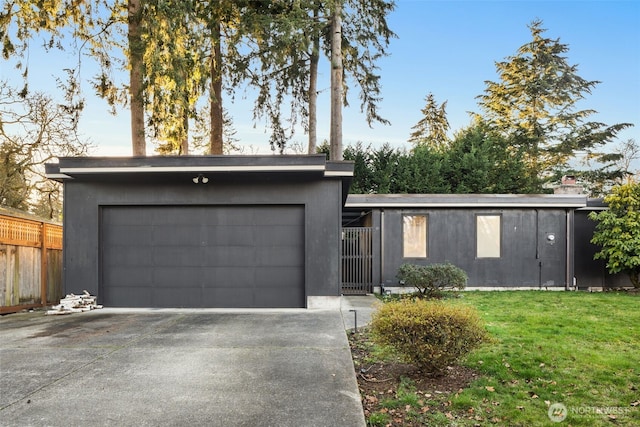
(357,260)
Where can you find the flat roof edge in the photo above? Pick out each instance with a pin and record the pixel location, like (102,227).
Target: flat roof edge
(465,200)
(195,169)
(339,169)
(75,167)
(461,205)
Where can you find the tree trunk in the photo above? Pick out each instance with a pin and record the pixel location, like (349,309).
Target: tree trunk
(184,144)
(335,140)
(217,119)
(313,90)
(136,83)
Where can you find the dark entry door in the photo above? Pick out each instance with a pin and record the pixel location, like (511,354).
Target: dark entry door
(552,247)
(202,256)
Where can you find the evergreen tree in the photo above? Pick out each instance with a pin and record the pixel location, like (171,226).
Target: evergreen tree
(432,128)
(384,162)
(293,38)
(480,160)
(421,170)
(362,173)
(534,106)
(175,52)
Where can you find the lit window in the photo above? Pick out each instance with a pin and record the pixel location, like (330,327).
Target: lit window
(488,236)
(414,236)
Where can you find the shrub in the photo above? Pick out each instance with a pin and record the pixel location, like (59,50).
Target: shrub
(430,334)
(431,280)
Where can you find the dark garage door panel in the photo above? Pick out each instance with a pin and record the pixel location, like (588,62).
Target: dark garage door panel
(203,256)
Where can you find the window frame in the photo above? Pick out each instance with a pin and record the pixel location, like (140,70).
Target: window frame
(478,236)
(426,235)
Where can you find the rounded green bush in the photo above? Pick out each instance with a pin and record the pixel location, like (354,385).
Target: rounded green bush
(430,280)
(430,334)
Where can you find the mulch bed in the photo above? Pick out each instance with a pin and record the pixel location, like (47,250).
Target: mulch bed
(379,381)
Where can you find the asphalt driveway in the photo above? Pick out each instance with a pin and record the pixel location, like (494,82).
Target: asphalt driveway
(177,367)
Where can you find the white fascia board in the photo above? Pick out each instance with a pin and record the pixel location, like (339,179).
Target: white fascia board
(593,208)
(337,173)
(194,169)
(57,176)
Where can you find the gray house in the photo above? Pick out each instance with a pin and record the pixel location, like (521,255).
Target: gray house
(265,231)
(501,241)
(206,231)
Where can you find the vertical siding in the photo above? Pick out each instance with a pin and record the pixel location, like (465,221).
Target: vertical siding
(527,258)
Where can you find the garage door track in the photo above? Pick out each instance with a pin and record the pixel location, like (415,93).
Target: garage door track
(177,367)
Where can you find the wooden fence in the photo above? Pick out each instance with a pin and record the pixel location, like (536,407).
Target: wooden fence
(30,263)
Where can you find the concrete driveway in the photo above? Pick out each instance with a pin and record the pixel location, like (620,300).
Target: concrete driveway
(177,367)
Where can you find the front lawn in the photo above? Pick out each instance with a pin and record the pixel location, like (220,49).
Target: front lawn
(576,353)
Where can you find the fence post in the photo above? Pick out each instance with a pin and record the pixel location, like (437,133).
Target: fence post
(43,264)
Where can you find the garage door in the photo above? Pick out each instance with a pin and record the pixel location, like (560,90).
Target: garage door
(202,256)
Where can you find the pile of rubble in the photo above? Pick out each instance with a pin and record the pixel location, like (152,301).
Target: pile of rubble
(75,304)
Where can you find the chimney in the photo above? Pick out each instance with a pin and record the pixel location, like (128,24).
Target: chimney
(568,185)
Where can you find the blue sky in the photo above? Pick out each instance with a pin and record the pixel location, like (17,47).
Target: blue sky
(448,48)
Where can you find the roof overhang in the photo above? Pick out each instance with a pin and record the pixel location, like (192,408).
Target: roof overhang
(409,201)
(595,205)
(166,169)
(83,167)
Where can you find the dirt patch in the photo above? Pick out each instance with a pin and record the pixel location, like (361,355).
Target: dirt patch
(379,384)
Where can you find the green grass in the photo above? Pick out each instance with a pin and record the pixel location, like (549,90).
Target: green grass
(404,396)
(378,419)
(578,349)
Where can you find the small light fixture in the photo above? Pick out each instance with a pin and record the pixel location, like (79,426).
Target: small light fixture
(200,179)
